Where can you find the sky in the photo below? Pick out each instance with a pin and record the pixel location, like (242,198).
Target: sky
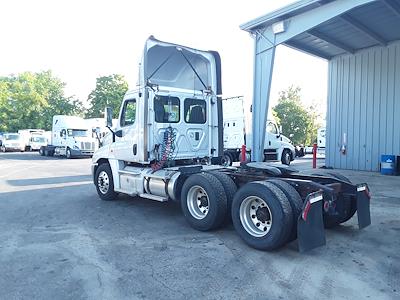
(82,40)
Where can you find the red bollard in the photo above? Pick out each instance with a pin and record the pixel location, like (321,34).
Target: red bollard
(243,157)
(314,158)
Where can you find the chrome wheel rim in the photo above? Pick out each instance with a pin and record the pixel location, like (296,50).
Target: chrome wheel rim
(103,182)
(255,216)
(197,202)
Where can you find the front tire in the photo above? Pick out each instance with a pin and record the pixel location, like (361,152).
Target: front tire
(203,201)
(262,215)
(68,153)
(104,182)
(286,157)
(227,159)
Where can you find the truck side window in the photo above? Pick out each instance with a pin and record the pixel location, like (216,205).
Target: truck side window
(271,128)
(128,115)
(166,109)
(195,111)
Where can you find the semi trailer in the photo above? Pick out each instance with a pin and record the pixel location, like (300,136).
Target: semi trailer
(70,137)
(278,148)
(168,145)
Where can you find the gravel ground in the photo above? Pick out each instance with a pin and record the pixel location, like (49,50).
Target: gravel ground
(59,241)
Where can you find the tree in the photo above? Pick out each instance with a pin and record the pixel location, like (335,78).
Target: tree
(29,100)
(109,91)
(294,118)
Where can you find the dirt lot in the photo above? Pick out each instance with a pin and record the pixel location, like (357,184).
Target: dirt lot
(59,241)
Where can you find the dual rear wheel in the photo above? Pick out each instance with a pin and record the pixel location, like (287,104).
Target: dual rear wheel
(264,213)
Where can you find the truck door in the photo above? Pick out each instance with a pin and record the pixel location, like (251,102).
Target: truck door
(272,142)
(126,146)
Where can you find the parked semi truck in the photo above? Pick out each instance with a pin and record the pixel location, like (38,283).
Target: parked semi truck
(277,146)
(168,144)
(70,137)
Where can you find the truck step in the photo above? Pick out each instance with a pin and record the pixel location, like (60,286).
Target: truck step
(153,197)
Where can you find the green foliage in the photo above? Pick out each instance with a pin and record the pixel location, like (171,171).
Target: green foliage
(29,100)
(294,118)
(109,91)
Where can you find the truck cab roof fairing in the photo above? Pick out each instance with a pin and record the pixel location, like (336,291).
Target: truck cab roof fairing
(176,66)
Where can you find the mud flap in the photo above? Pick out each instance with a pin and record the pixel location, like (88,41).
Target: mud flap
(310,224)
(363,211)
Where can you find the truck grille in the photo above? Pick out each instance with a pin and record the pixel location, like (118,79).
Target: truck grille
(87,145)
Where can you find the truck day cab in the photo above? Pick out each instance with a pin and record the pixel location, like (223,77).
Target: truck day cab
(70,137)
(169,141)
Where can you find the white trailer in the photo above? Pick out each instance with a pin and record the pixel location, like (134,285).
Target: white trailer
(168,144)
(277,146)
(70,137)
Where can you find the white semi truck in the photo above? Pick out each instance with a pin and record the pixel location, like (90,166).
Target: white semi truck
(277,146)
(70,137)
(168,144)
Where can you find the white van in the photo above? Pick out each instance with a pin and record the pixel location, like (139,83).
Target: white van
(12,142)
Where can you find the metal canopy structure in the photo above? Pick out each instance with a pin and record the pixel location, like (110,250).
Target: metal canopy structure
(323,28)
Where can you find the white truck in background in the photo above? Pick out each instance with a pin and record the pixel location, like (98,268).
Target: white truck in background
(277,146)
(12,142)
(98,129)
(32,138)
(70,137)
(321,140)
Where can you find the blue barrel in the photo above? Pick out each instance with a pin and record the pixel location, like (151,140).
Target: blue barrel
(388,163)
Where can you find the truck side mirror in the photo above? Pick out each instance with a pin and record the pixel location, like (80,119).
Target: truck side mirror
(108,115)
(280,129)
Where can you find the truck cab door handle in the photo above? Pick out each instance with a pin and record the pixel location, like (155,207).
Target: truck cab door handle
(134,149)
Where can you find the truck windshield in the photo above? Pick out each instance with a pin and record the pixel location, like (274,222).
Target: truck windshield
(11,137)
(78,132)
(38,139)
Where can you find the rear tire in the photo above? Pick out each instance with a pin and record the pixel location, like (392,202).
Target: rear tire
(262,215)
(230,189)
(203,201)
(350,204)
(104,182)
(295,202)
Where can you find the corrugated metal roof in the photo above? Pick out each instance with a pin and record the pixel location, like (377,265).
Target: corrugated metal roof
(372,24)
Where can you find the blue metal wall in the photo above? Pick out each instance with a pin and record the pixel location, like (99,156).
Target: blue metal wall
(364,104)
